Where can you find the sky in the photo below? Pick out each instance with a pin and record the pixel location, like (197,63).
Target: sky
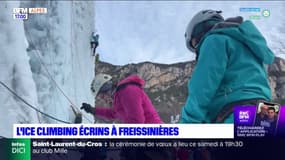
(139,31)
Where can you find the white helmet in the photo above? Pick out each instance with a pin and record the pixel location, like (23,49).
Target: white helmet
(200,17)
(98,82)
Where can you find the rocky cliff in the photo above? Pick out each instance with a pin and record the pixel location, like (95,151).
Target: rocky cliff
(166,85)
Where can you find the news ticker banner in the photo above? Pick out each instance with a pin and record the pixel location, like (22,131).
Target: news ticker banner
(264,120)
(119,131)
(82,149)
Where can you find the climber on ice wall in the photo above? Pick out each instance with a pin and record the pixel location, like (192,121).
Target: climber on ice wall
(94,42)
(231,57)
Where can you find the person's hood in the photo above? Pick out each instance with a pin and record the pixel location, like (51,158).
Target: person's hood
(130,79)
(246,33)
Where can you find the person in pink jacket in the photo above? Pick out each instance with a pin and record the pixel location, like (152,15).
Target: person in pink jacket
(130,103)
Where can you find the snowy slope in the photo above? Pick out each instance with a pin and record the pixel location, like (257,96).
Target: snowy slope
(60,39)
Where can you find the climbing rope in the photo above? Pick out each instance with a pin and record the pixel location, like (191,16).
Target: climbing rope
(52,59)
(31,106)
(49,74)
(76,55)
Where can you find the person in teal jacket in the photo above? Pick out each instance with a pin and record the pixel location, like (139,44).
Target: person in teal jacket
(230,70)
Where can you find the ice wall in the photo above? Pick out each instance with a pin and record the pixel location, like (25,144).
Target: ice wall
(61,39)
(45,53)
(15,73)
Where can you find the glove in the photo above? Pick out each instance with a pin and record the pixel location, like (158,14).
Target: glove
(88,108)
